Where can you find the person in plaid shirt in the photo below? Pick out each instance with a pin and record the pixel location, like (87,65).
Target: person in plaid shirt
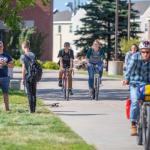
(137,73)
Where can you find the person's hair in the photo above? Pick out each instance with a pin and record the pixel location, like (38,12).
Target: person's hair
(98,42)
(66,44)
(26,44)
(137,48)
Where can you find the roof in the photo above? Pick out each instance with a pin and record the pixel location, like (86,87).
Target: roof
(141,6)
(63,16)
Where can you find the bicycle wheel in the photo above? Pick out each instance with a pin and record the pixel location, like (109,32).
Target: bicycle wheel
(67,96)
(64,88)
(146,127)
(97,88)
(67,89)
(139,128)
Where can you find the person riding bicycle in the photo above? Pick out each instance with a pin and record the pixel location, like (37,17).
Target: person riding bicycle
(94,56)
(137,73)
(66,56)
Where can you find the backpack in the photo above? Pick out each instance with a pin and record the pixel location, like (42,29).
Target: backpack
(34,70)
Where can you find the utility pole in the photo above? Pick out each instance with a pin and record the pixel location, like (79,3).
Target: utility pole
(116,29)
(129,18)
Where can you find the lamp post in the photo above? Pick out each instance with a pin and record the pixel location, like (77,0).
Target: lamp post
(73,6)
(116,29)
(129,18)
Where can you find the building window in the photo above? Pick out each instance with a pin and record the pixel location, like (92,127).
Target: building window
(59,29)
(146,26)
(70,29)
(28,23)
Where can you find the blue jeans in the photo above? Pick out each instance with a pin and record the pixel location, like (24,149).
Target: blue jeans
(91,73)
(31,93)
(134,97)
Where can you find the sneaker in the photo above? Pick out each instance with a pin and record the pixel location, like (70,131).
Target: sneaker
(90,92)
(133,130)
(70,91)
(93,93)
(60,83)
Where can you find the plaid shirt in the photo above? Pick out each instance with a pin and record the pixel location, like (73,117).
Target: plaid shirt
(138,71)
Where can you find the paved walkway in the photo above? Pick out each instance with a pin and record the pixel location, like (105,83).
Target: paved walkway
(101,123)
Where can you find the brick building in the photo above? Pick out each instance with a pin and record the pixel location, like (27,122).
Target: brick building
(40,17)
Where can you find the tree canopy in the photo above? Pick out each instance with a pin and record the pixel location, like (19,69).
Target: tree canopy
(10,11)
(99,22)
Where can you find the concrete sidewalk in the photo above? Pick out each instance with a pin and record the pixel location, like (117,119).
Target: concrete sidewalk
(101,123)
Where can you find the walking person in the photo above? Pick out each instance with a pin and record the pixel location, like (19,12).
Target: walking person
(137,74)
(133,50)
(5,63)
(66,56)
(30,85)
(95,56)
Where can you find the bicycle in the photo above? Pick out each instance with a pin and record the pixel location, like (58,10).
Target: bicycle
(97,81)
(65,83)
(143,126)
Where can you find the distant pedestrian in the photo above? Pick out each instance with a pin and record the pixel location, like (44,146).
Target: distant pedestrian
(30,85)
(5,63)
(133,50)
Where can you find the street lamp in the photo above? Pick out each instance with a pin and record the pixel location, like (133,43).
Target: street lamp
(116,29)
(129,18)
(55,11)
(73,6)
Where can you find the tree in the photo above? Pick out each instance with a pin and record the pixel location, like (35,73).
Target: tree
(100,23)
(10,11)
(126,44)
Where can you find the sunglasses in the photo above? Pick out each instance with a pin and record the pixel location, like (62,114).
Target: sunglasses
(145,52)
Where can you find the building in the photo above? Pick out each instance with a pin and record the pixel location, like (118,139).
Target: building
(144,18)
(62,32)
(65,24)
(40,17)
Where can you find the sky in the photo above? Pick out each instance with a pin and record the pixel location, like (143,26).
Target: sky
(60,4)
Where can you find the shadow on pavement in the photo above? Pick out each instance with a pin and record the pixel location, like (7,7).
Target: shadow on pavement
(79,94)
(68,114)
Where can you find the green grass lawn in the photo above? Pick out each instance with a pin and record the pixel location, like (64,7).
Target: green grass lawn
(20,130)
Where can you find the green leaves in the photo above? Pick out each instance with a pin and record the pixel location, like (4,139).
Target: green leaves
(10,11)
(99,22)
(126,44)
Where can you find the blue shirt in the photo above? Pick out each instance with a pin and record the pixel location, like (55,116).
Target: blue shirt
(95,57)
(4,70)
(127,59)
(138,71)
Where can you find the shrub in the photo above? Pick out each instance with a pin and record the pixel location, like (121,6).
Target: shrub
(17,63)
(126,45)
(45,65)
(50,65)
